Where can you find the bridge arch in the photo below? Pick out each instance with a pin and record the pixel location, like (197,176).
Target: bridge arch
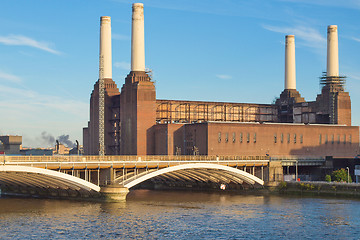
(213,171)
(40,180)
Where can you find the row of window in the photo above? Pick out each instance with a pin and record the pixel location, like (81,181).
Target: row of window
(289,138)
(331,138)
(283,138)
(241,137)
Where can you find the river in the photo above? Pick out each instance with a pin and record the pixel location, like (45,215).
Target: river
(181,215)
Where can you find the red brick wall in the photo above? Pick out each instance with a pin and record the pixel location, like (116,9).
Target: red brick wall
(137,115)
(265,139)
(343,108)
(168,137)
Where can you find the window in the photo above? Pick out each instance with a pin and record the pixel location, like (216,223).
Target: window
(219,137)
(326,138)
(332,139)
(319,138)
(288,138)
(275,138)
(226,137)
(254,137)
(301,138)
(248,138)
(241,137)
(350,139)
(294,137)
(234,137)
(282,138)
(344,138)
(338,138)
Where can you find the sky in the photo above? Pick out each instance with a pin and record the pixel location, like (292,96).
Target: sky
(209,50)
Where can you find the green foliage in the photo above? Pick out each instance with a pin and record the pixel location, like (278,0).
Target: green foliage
(328,178)
(282,185)
(307,187)
(340,175)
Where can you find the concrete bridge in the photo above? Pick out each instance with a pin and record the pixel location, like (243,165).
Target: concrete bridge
(111,177)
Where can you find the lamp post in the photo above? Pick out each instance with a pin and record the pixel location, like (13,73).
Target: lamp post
(348,174)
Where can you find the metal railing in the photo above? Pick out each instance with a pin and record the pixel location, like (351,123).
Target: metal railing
(71,158)
(297,158)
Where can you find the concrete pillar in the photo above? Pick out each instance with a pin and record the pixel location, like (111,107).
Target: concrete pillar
(137,38)
(114,193)
(332,52)
(290,72)
(105,62)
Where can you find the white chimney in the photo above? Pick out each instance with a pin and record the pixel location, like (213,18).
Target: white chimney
(137,38)
(332,52)
(290,72)
(105,48)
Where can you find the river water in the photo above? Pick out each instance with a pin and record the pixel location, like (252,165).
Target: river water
(181,215)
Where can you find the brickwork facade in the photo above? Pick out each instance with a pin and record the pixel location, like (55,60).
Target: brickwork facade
(138,124)
(137,115)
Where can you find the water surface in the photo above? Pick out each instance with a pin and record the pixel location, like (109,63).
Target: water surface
(181,215)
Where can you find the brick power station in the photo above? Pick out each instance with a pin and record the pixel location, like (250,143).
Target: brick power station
(133,122)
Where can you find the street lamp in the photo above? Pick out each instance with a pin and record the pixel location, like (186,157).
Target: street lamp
(348,174)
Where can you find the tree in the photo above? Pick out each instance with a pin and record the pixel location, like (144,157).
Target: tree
(340,175)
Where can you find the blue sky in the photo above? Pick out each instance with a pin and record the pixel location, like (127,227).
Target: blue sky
(212,50)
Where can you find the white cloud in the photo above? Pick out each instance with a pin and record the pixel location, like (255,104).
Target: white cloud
(354,76)
(15,92)
(328,3)
(356,39)
(122,65)
(310,37)
(14,98)
(223,76)
(119,37)
(9,77)
(19,40)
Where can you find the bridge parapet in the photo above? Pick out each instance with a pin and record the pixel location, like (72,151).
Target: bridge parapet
(71,158)
(299,160)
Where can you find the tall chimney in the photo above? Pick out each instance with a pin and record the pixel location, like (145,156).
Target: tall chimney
(137,38)
(105,47)
(290,72)
(332,52)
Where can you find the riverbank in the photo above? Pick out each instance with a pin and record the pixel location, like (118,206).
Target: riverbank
(318,189)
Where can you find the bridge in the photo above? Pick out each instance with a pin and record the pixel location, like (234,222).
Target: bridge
(111,177)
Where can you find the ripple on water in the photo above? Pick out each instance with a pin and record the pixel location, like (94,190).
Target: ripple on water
(181,215)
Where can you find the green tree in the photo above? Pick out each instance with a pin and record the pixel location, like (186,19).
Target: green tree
(340,175)
(328,178)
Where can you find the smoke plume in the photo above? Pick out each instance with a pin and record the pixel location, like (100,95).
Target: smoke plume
(64,139)
(49,140)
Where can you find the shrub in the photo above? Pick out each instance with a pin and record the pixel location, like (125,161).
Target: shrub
(340,176)
(328,178)
(282,186)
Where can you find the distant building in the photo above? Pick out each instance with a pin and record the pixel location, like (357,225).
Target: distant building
(10,145)
(76,150)
(61,149)
(136,123)
(37,151)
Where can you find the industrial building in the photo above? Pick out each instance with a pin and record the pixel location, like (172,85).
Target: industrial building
(133,122)
(10,144)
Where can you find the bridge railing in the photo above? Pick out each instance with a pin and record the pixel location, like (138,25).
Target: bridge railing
(75,158)
(297,158)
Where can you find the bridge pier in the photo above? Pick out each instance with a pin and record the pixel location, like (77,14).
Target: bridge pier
(114,193)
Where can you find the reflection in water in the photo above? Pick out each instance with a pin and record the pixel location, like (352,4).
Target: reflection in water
(178,215)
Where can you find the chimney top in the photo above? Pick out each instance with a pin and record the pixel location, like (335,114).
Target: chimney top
(104,19)
(138,5)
